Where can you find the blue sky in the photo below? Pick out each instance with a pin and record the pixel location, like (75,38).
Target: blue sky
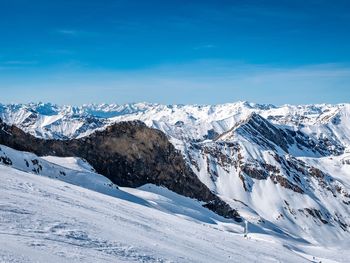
(76,51)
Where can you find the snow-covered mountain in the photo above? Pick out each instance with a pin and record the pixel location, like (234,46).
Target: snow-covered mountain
(59,210)
(323,121)
(328,124)
(287,166)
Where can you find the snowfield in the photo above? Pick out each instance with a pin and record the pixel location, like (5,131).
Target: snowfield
(48,220)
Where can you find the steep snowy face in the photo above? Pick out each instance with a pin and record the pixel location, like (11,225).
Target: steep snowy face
(283,165)
(263,170)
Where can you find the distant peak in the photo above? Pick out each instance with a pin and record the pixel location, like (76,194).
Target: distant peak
(252,117)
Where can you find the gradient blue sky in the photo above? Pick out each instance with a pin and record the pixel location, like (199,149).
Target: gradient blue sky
(83,51)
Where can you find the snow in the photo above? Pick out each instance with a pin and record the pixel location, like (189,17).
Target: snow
(46,220)
(72,163)
(338,166)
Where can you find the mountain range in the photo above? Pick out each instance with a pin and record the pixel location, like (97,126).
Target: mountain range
(285,169)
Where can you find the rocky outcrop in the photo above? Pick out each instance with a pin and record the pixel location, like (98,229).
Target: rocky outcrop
(278,179)
(129,154)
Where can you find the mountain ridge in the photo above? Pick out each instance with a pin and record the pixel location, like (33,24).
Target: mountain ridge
(129,154)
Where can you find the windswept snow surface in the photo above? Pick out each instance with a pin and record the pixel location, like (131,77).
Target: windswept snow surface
(47,220)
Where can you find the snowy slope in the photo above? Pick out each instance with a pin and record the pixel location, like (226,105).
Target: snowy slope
(46,220)
(74,170)
(78,172)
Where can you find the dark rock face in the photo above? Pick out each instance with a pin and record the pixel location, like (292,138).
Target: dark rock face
(278,179)
(316,214)
(254,172)
(129,154)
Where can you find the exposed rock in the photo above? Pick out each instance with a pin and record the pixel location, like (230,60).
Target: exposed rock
(5,160)
(316,173)
(278,179)
(316,214)
(255,173)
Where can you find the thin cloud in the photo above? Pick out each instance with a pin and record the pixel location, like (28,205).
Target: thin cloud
(60,51)
(205,46)
(16,64)
(68,32)
(75,33)
(19,62)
